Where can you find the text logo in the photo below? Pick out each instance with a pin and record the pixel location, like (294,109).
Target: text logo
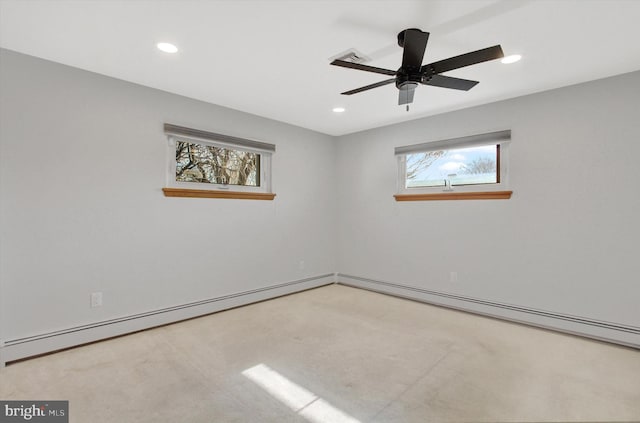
(34,411)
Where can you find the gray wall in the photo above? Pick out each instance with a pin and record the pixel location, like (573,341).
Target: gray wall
(82,167)
(82,164)
(566,242)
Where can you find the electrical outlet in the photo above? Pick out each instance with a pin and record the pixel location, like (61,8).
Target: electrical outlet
(453,277)
(96,299)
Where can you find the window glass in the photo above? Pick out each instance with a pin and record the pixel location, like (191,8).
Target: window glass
(461,166)
(216,165)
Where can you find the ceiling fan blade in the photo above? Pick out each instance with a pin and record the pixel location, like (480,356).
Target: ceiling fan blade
(449,82)
(368,87)
(406,96)
(467,59)
(358,66)
(415,42)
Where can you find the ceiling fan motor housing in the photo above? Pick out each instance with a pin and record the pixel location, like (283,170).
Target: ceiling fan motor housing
(405,81)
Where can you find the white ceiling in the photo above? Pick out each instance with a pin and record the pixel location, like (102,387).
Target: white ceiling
(271,58)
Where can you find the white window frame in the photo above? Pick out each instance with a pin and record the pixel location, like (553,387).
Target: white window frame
(217,140)
(502,138)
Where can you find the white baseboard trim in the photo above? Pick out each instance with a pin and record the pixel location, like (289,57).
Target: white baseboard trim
(617,333)
(16,349)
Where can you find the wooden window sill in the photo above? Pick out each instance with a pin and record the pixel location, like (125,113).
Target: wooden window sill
(203,193)
(488,195)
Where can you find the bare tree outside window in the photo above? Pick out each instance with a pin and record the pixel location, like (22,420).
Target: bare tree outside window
(216,165)
(420,162)
(479,166)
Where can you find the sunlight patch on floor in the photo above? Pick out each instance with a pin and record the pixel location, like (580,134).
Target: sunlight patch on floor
(299,399)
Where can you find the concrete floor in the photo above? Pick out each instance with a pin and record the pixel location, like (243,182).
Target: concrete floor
(337,354)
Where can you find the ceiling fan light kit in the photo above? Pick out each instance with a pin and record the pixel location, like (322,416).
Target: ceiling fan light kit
(412,72)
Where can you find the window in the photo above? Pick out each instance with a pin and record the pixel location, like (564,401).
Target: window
(468,164)
(206,161)
(211,164)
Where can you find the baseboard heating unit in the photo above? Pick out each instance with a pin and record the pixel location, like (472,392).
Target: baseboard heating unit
(16,349)
(617,333)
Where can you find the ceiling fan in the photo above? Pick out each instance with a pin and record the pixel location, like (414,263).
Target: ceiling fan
(412,72)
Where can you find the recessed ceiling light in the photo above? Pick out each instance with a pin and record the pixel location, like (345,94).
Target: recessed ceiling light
(167,47)
(511,59)
(338,109)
